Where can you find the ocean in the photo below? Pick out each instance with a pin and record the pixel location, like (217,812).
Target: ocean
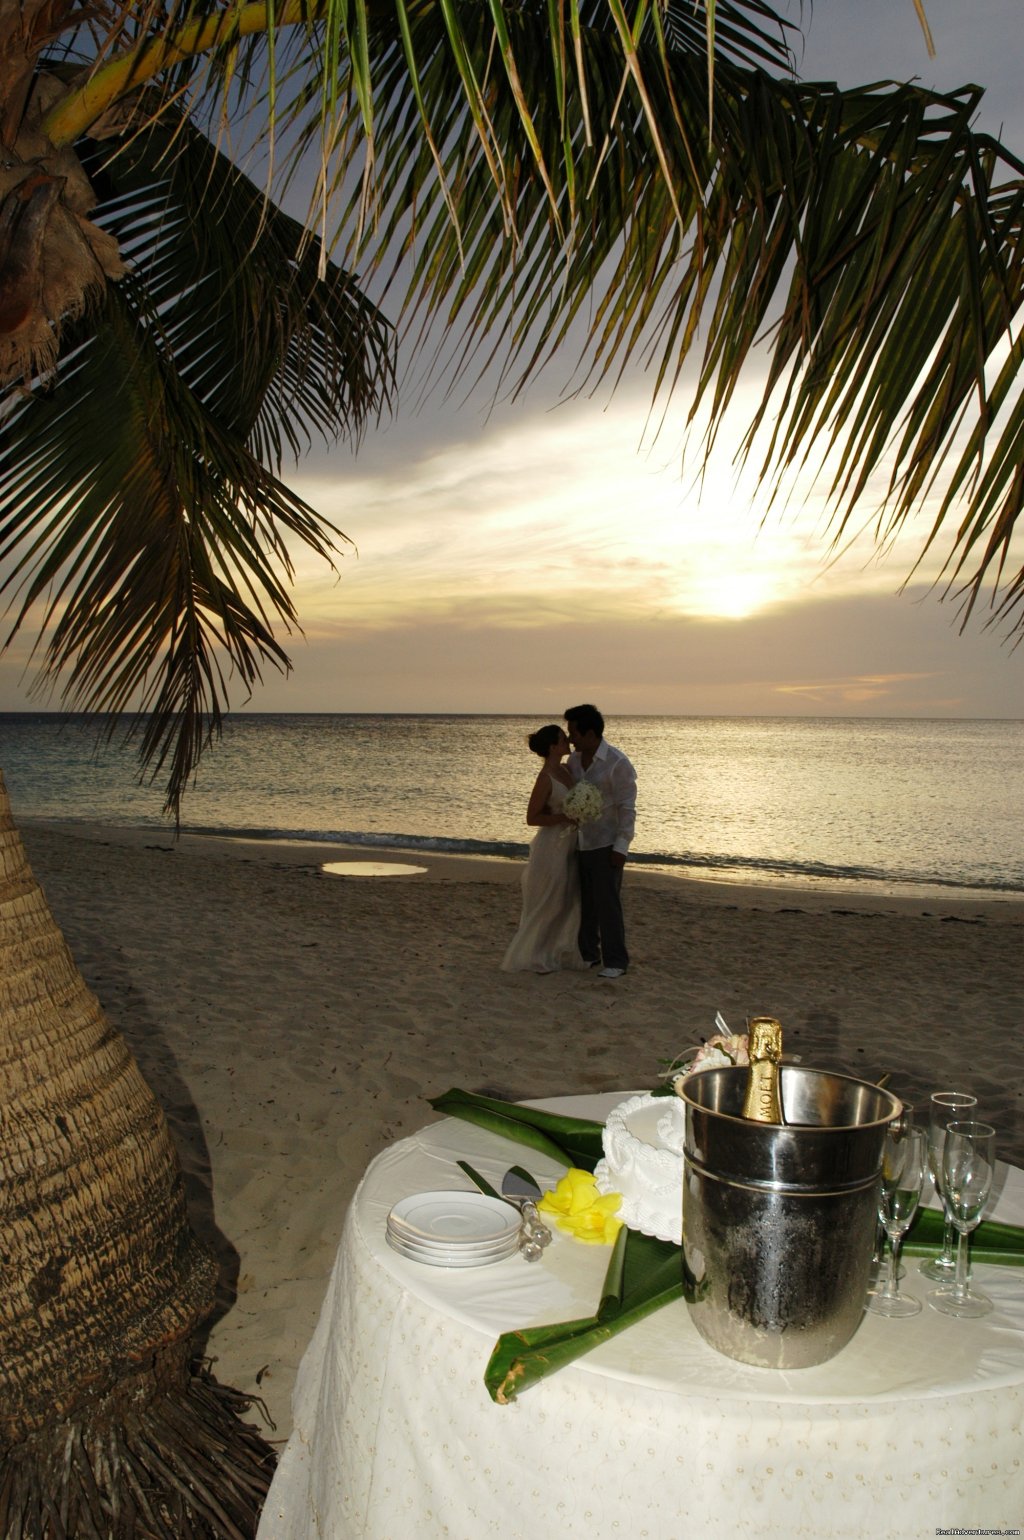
(897,805)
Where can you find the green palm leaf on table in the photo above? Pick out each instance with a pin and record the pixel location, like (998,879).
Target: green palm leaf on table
(992,1241)
(643,1273)
(572,1141)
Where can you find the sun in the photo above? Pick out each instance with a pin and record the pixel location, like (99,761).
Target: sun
(724,595)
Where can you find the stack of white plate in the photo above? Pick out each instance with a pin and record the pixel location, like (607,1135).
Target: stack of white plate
(453,1229)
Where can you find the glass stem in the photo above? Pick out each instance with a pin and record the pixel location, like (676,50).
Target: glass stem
(947,1240)
(960,1281)
(892,1288)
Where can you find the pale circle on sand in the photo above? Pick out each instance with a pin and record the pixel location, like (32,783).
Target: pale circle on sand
(370,869)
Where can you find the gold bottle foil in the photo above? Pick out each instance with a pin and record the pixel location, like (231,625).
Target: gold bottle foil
(761,1103)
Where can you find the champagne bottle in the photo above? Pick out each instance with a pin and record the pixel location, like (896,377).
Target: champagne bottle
(761,1103)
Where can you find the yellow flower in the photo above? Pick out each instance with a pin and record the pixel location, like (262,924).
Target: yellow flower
(578,1207)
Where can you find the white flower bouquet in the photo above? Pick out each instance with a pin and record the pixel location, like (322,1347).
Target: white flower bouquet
(583,803)
(725,1048)
(719,1052)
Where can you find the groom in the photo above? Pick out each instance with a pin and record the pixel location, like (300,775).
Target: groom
(603,841)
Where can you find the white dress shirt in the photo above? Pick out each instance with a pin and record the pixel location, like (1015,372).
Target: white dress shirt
(611,772)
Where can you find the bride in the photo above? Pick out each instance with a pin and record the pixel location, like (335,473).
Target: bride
(548,929)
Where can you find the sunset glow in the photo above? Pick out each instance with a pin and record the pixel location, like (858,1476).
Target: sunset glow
(508,556)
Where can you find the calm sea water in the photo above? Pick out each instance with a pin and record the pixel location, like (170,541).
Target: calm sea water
(847,802)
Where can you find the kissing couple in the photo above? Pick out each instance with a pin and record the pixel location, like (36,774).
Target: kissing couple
(572,884)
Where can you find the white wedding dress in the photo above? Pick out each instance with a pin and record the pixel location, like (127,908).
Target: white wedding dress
(550,922)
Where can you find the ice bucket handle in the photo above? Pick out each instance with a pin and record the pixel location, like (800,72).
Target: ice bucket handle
(902,1122)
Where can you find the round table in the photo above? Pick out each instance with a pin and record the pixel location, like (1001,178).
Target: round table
(915,1427)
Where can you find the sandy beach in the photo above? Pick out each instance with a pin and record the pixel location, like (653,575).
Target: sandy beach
(293,1023)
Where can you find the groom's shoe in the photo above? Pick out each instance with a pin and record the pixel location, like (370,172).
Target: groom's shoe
(611,973)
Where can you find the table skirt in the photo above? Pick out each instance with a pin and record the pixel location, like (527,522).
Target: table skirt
(914,1428)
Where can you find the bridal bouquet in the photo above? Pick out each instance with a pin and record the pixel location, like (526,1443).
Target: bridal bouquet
(583,803)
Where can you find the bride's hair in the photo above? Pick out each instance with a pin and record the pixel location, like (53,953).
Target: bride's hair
(544,738)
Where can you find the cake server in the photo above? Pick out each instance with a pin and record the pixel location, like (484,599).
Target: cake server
(534,1235)
(519,1187)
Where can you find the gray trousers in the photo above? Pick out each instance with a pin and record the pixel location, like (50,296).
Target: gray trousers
(602,929)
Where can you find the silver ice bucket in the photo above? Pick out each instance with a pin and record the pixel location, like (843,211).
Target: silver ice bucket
(779,1219)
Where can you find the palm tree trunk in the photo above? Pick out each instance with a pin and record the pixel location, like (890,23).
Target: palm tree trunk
(104,1429)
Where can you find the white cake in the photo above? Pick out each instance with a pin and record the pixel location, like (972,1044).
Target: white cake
(643,1160)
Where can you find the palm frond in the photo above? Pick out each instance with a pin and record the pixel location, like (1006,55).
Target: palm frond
(139,500)
(280,352)
(518,171)
(865,243)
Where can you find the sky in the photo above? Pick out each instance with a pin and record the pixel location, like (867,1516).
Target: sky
(516,557)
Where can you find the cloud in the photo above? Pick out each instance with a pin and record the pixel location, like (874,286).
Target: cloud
(827,656)
(853,690)
(547,547)
(542,509)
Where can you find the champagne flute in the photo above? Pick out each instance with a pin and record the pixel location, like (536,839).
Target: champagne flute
(944,1108)
(904,1161)
(968,1163)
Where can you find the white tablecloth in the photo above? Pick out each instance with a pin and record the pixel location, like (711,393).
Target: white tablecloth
(915,1427)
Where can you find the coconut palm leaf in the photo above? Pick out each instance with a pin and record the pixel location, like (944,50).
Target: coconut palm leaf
(586,161)
(140,511)
(280,351)
(867,242)
(333,45)
(870,234)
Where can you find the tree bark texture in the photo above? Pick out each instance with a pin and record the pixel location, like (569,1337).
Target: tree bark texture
(98,1264)
(102,1281)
